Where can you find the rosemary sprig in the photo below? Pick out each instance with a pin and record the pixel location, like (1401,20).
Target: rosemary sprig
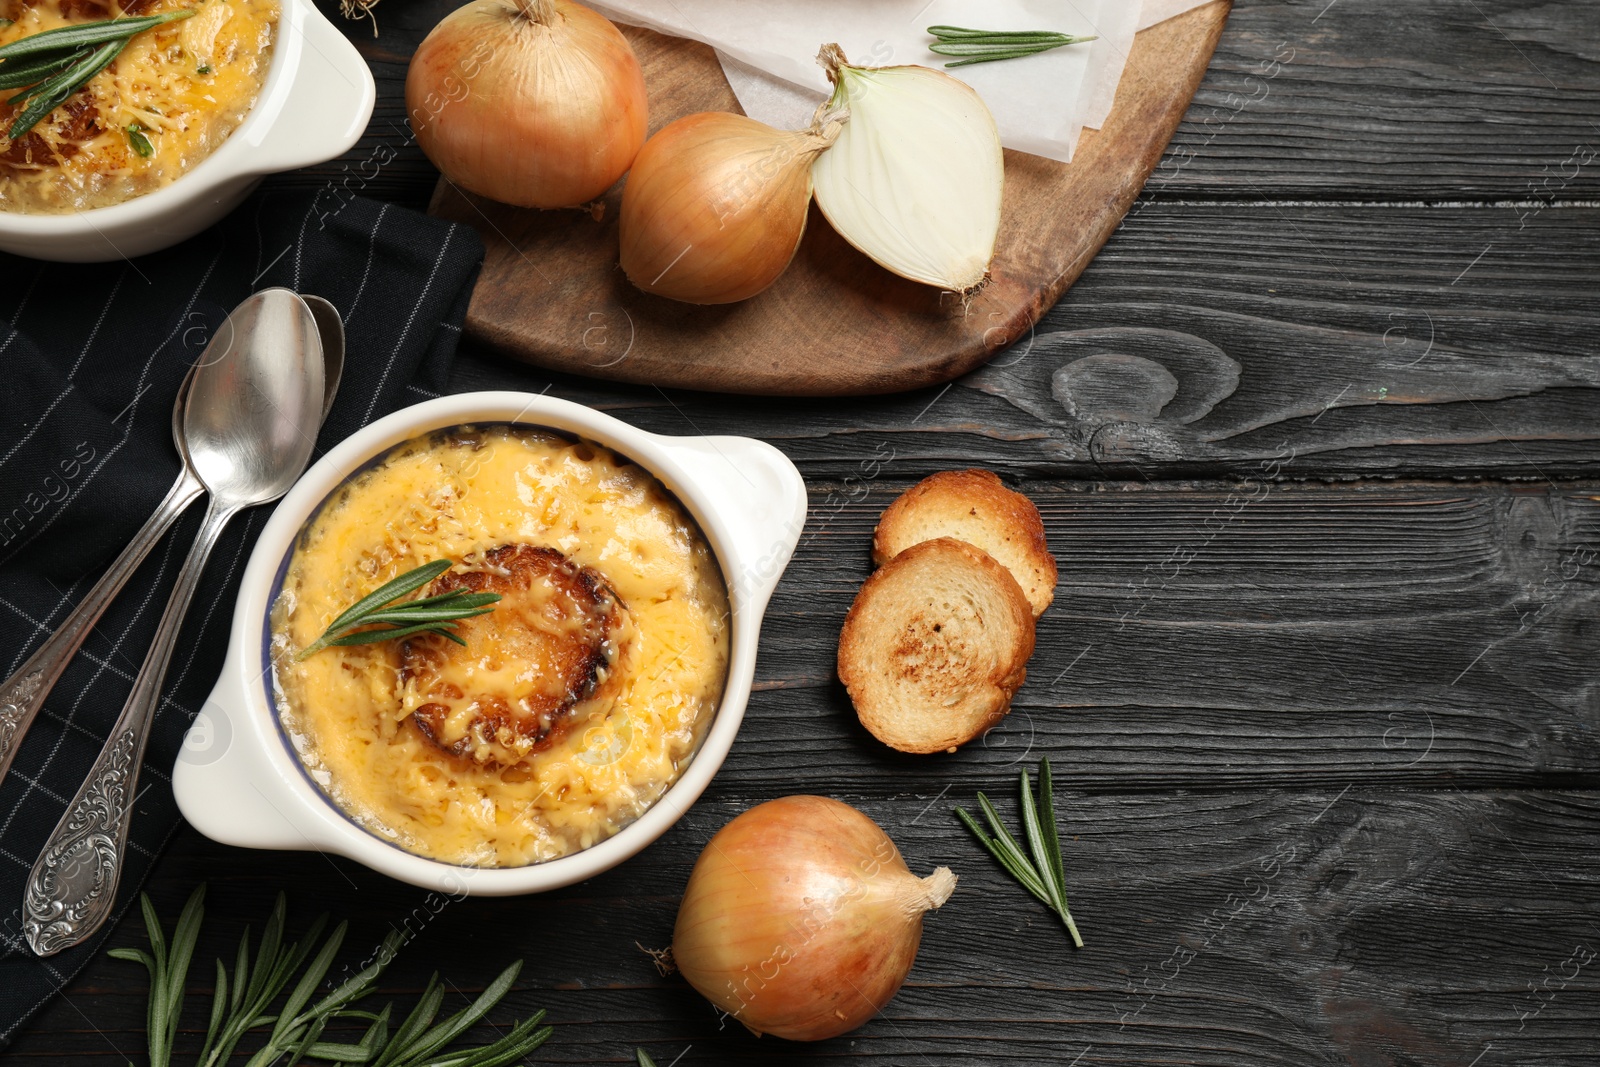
(987,46)
(429,614)
(57,63)
(1042,875)
(243,1002)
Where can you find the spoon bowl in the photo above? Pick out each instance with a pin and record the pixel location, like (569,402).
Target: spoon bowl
(251,418)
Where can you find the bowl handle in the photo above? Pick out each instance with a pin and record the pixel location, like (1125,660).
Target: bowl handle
(329,102)
(223,784)
(760,497)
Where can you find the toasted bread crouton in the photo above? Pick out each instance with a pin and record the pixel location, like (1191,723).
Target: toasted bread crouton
(935,645)
(528,666)
(973,506)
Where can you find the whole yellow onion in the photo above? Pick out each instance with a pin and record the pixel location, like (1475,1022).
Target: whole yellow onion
(716,204)
(538,103)
(801,919)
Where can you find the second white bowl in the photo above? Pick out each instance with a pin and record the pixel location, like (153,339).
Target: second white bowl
(314,105)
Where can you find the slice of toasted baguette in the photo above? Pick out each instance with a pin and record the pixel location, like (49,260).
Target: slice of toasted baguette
(935,645)
(972,506)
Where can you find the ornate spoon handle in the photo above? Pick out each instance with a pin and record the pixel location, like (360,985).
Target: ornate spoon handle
(73,885)
(23,694)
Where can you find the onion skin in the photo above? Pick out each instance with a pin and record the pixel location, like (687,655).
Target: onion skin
(801,920)
(537,103)
(715,206)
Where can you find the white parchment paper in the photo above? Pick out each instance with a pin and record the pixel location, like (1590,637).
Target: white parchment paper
(1040,103)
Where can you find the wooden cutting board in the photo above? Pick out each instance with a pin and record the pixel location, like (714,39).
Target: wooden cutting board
(551,293)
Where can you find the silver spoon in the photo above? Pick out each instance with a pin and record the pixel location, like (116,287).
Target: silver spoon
(24,693)
(330,330)
(249,425)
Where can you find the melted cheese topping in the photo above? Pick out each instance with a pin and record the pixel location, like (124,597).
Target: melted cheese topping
(456,495)
(184,84)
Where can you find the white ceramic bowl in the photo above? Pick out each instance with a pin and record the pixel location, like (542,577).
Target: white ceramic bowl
(314,104)
(236,779)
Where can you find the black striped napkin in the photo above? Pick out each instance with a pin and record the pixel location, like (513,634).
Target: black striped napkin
(93,356)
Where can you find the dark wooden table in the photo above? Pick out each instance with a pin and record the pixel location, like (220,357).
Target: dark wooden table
(1321,676)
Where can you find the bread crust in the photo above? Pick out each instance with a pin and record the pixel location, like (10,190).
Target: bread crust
(973,506)
(935,646)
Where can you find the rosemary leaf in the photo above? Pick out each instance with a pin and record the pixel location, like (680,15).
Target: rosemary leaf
(72,38)
(448,612)
(141,144)
(376,1034)
(313,1032)
(337,1053)
(369,637)
(20,72)
(1036,845)
(644,1058)
(451,597)
(1047,823)
(267,950)
(184,937)
(993,44)
(152,931)
(219,1002)
(133,955)
(523,1039)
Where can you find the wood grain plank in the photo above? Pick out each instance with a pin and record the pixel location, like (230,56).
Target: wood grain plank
(1204,340)
(1428,101)
(1316,927)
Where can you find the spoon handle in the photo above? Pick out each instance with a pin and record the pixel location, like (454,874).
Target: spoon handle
(23,694)
(73,884)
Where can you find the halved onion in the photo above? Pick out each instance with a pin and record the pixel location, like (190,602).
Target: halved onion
(916,176)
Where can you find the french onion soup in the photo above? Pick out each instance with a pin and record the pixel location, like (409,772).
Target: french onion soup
(552,719)
(169,98)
